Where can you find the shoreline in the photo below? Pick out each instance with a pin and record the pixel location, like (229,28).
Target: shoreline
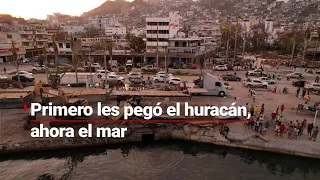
(211,136)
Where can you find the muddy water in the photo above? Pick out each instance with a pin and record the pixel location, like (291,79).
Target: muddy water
(162,160)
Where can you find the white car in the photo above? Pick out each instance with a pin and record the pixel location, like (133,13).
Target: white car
(3,77)
(175,81)
(114,79)
(313,86)
(161,78)
(96,65)
(295,75)
(267,79)
(102,73)
(221,68)
(25,73)
(38,68)
(134,75)
(162,73)
(26,60)
(255,83)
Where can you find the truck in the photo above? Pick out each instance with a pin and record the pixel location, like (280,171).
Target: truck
(151,68)
(212,85)
(129,63)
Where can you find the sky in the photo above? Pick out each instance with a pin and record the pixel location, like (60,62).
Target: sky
(41,8)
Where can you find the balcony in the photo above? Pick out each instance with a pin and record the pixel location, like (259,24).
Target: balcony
(41,39)
(183,49)
(151,35)
(26,32)
(41,32)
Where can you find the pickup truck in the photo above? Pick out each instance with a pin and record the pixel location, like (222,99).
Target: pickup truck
(149,68)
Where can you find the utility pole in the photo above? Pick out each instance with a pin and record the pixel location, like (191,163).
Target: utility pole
(105,64)
(227,48)
(244,43)
(293,46)
(235,42)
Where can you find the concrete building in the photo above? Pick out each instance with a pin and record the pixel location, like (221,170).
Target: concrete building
(101,22)
(6,39)
(159,30)
(34,38)
(73,29)
(116,30)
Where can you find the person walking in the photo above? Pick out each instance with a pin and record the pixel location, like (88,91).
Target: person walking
(265,128)
(304,125)
(307,97)
(5,70)
(315,134)
(282,129)
(304,92)
(262,109)
(282,108)
(252,111)
(118,101)
(298,92)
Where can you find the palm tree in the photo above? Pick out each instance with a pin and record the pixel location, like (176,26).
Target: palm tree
(44,52)
(226,36)
(16,62)
(306,40)
(317,44)
(74,58)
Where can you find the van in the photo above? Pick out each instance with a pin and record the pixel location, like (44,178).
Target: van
(214,86)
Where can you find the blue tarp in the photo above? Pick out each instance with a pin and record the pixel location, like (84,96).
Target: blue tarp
(60,60)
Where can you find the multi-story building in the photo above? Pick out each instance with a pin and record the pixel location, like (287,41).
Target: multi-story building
(115,30)
(6,39)
(73,29)
(101,22)
(159,30)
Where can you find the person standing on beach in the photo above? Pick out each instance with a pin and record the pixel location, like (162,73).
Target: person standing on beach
(277,111)
(252,111)
(304,92)
(282,129)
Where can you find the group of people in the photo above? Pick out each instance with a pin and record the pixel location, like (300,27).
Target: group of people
(257,122)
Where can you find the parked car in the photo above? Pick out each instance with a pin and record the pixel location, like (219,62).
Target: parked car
(38,68)
(134,74)
(231,77)
(299,83)
(101,73)
(295,75)
(163,73)
(25,60)
(175,81)
(256,72)
(149,68)
(313,86)
(161,78)
(115,79)
(221,68)
(267,79)
(25,73)
(255,83)
(3,77)
(96,65)
(137,80)
(23,78)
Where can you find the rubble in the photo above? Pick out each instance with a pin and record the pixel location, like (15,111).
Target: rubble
(8,83)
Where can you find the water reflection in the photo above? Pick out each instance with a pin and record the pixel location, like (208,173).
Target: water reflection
(162,160)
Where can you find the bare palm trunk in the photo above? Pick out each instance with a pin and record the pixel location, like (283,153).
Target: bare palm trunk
(105,65)
(293,48)
(314,53)
(46,66)
(235,44)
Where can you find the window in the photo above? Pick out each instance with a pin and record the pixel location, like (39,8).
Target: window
(60,45)
(67,45)
(25,44)
(9,36)
(176,44)
(218,84)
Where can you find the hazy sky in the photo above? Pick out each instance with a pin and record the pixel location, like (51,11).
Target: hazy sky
(40,8)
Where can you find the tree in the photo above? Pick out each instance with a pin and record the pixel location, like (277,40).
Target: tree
(306,41)
(45,61)
(136,44)
(74,55)
(201,62)
(15,59)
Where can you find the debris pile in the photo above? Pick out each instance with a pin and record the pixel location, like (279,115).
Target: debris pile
(8,83)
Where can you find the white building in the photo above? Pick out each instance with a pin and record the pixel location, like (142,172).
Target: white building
(73,29)
(115,30)
(160,30)
(6,39)
(102,22)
